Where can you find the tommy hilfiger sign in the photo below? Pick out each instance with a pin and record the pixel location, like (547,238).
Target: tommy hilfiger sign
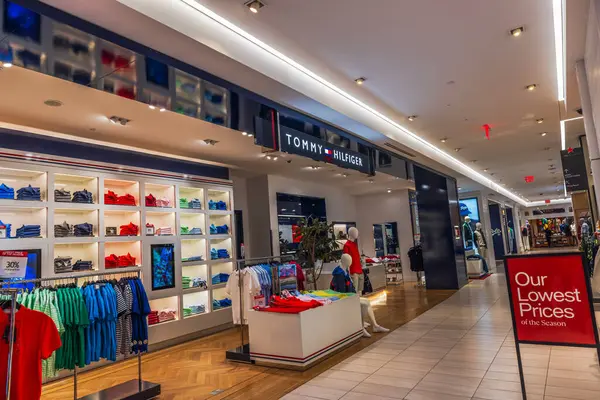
(296,142)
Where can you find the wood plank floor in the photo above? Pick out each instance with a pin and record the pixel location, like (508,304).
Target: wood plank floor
(194,370)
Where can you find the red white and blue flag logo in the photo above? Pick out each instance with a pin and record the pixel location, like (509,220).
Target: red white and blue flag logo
(328,152)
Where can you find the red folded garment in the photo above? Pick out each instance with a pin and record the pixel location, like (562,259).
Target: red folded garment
(111,261)
(130,229)
(126,200)
(290,305)
(126,261)
(150,201)
(110,197)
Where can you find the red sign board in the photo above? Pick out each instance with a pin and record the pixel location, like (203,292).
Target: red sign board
(550,299)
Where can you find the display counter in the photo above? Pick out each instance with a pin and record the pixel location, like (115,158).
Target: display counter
(298,341)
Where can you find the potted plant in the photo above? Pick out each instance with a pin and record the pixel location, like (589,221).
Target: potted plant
(317,246)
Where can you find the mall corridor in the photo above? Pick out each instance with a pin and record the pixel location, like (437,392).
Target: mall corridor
(461,349)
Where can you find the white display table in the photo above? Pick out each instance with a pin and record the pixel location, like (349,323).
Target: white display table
(298,341)
(475,268)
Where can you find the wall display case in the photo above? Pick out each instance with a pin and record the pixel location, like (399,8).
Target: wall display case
(105,229)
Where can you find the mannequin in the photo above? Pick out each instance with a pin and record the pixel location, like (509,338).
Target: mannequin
(355,268)
(467,233)
(480,240)
(585,228)
(511,239)
(525,236)
(365,306)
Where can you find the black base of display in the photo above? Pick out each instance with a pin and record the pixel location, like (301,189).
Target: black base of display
(239,354)
(129,390)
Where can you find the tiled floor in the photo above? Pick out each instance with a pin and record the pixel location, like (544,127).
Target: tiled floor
(461,349)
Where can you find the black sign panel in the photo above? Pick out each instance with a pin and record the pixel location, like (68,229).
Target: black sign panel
(574,170)
(296,142)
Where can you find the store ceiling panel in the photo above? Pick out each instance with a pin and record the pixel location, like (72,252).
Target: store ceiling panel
(456,68)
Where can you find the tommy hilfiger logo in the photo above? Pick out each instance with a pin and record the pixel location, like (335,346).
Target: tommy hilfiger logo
(319,149)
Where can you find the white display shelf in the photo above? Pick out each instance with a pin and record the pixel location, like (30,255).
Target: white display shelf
(220,260)
(196,315)
(74,183)
(118,238)
(192,263)
(23,203)
(77,239)
(117,207)
(162,323)
(18,178)
(192,237)
(194,290)
(219,237)
(218,286)
(191,211)
(76,206)
(219,212)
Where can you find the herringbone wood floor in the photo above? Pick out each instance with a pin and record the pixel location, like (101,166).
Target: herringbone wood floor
(191,371)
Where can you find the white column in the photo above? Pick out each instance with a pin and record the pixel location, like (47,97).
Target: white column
(591,135)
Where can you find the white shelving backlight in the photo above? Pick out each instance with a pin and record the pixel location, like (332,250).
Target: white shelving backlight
(73,216)
(220,195)
(219,294)
(191,220)
(117,218)
(160,220)
(219,220)
(193,248)
(77,251)
(193,302)
(74,183)
(19,178)
(18,216)
(165,193)
(165,304)
(122,187)
(132,248)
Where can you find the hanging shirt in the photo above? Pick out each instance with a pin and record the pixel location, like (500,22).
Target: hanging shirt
(36,338)
(352,248)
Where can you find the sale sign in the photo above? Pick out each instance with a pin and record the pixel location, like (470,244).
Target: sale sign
(13,264)
(550,299)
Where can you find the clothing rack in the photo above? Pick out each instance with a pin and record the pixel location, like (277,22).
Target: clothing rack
(242,353)
(13,300)
(142,389)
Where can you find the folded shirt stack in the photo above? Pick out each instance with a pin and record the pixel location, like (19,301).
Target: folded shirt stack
(167,315)
(126,261)
(63,264)
(164,231)
(62,196)
(185,282)
(183,203)
(194,309)
(113,198)
(150,200)
(7,192)
(114,261)
(82,265)
(84,229)
(7,227)
(130,229)
(193,258)
(187,231)
(217,205)
(216,254)
(217,304)
(199,283)
(195,203)
(163,202)
(153,318)
(29,231)
(219,278)
(29,193)
(63,230)
(82,196)
(219,230)
(111,261)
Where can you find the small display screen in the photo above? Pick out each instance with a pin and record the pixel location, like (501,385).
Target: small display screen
(20,21)
(33,271)
(163,266)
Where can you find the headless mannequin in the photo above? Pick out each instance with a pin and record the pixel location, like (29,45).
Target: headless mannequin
(365,305)
(467,233)
(355,267)
(480,240)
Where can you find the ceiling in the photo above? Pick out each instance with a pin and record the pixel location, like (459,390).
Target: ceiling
(456,68)
(85,114)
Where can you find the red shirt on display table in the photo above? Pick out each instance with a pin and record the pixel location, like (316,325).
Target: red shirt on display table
(352,248)
(36,338)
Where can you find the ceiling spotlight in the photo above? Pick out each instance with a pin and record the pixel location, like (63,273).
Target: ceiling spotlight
(531,87)
(459,188)
(245,133)
(389,190)
(345,175)
(315,167)
(544,133)
(268,157)
(255,5)
(517,31)
(114,119)
(371,181)
(163,109)
(119,120)
(210,142)
(412,118)
(152,107)
(360,81)
(53,103)
(275,158)
(7,65)
(444,140)
(457,149)
(539,120)
(486,170)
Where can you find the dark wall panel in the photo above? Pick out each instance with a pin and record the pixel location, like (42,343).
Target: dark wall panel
(437,232)
(496,225)
(459,251)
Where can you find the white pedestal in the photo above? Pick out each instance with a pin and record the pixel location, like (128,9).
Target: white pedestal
(475,268)
(297,341)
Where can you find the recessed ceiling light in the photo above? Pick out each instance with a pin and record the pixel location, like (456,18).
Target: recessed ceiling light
(389,190)
(245,133)
(459,188)
(517,31)
(457,149)
(152,107)
(250,135)
(7,65)
(539,120)
(444,140)
(255,5)
(486,170)
(531,87)
(360,81)
(345,175)
(53,103)
(268,157)
(315,167)
(371,181)
(544,133)
(163,109)
(412,118)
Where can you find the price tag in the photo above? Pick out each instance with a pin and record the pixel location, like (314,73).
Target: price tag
(13,264)
(260,301)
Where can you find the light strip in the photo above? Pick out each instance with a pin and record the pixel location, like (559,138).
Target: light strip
(257,42)
(563,132)
(559,46)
